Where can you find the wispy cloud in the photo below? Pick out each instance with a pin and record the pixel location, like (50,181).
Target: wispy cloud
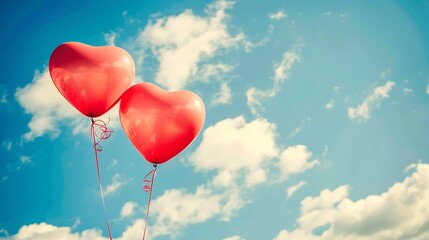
(110,38)
(7,145)
(407,91)
(292,189)
(116,183)
(76,223)
(277,15)
(223,96)
(362,111)
(281,73)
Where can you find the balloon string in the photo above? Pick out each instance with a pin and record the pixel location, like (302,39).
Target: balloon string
(147,187)
(97,138)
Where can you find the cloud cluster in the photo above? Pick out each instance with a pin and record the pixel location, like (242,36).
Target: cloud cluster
(243,155)
(45,231)
(399,213)
(184,43)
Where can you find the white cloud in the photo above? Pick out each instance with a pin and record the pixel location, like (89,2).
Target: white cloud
(50,110)
(331,14)
(182,43)
(330,104)
(223,96)
(117,183)
(234,145)
(277,15)
(235,237)
(128,19)
(399,213)
(292,189)
(281,73)
(427,89)
(407,91)
(242,154)
(25,159)
(128,209)
(45,231)
(362,112)
(295,159)
(282,69)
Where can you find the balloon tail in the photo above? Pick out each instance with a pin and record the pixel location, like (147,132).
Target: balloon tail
(104,133)
(147,187)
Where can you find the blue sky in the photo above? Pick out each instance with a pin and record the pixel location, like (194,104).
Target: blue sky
(316,123)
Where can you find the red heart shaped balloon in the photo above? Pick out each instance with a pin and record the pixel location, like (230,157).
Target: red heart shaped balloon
(160,124)
(92,79)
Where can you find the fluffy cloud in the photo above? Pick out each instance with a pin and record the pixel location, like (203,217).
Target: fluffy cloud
(427,89)
(128,209)
(295,159)
(44,231)
(281,73)
(177,208)
(399,213)
(181,43)
(362,112)
(277,15)
(292,189)
(50,110)
(232,146)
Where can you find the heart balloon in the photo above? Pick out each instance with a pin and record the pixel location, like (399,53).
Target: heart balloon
(92,79)
(160,124)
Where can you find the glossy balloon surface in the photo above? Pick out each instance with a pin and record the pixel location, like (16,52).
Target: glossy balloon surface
(160,124)
(92,79)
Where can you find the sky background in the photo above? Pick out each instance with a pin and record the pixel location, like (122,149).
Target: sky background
(316,126)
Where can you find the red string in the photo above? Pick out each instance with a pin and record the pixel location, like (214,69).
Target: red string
(97,138)
(147,187)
